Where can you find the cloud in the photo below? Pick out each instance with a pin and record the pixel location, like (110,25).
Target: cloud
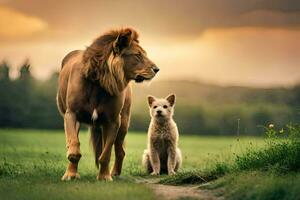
(16,25)
(161,18)
(267,18)
(248,42)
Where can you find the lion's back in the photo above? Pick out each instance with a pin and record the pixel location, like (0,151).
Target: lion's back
(69,56)
(66,68)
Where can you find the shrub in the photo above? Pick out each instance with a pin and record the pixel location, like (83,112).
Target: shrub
(282,151)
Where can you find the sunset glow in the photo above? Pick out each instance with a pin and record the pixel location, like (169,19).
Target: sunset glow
(258,47)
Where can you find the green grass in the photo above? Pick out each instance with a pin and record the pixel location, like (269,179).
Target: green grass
(269,172)
(32,163)
(258,185)
(281,153)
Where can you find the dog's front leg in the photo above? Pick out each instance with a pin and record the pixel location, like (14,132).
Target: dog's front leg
(110,130)
(72,127)
(171,160)
(155,161)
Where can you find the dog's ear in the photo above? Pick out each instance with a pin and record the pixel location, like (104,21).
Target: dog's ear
(171,99)
(123,40)
(151,99)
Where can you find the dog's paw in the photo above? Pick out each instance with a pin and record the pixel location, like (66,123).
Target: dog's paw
(170,173)
(104,177)
(155,173)
(70,176)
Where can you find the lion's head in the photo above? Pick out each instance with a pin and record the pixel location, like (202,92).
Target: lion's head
(116,58)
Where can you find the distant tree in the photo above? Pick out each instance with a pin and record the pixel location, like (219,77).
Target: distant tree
(25,73)
(6,91)
(4,70)
(262,117)
(24,96)
(295,99)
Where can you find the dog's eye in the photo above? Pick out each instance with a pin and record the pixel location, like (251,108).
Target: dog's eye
(165,106)
(154,107)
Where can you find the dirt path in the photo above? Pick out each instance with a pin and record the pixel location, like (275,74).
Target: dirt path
(170,192)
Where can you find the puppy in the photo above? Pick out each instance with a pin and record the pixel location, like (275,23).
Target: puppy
(162,154)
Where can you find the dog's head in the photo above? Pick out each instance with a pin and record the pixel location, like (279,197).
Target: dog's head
(161,109)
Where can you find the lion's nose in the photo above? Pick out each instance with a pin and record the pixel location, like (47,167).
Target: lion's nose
(155,69)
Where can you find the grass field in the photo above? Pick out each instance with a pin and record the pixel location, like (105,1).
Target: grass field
(33,161)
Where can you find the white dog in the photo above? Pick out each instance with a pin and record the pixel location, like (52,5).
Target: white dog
(162,155)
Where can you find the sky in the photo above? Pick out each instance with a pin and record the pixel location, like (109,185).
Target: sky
(234,42)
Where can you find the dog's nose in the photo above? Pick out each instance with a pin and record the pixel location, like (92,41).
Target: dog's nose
(158,112)
(155,69)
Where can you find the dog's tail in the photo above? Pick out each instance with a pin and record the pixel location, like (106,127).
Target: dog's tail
(97,142)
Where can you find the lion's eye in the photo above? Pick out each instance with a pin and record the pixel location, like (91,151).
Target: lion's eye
(165,106)
(136,58)
(139,56)
(154,107)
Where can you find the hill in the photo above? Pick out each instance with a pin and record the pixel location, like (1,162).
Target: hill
(200,109)
(212,109)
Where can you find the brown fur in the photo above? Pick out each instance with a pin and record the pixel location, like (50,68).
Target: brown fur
(94,89)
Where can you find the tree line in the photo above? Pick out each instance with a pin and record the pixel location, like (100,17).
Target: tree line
(26,102)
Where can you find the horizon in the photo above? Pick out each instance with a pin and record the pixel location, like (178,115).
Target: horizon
(14,74)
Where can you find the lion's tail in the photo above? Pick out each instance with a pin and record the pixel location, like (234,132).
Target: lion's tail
(97,142)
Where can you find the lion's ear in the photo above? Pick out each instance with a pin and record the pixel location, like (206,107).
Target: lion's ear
(123,40)
(151,99)
(171,99)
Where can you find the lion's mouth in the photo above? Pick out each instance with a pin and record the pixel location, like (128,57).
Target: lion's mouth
(140,79)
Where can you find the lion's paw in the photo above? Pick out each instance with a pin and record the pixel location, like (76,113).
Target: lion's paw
(107,177)
(70,176)
(115,172)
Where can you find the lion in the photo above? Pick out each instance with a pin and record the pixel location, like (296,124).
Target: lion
(94,89)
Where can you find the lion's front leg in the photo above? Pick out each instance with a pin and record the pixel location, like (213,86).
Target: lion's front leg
(110,130)
(72,127)
(119,145)
(119,154)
